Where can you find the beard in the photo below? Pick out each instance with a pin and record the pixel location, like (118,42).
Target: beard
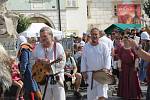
(95,41)
(46,44)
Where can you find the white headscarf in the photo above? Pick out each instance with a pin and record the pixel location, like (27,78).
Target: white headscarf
(145,36)
(21,40)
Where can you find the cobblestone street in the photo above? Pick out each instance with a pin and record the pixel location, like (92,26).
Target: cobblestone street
(70,95)
(60,49)
(112,94)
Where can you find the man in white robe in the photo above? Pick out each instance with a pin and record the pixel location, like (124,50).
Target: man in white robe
(45,51)
(109,43)
(95,57)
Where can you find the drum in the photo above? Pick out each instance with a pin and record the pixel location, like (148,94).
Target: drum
(40,70)
(103,77)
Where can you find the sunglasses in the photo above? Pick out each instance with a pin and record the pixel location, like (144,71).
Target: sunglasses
(126,37)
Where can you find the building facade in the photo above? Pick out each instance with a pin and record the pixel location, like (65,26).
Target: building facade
(77,16)
(103,13)
(73,13)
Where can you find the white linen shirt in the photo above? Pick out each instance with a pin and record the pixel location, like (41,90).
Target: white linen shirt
(39,53)
(95,57)
(108,42)
(53,92)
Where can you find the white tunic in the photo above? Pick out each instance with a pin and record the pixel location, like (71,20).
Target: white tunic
(54,92)
(39,53)
(109,43)
(95,58)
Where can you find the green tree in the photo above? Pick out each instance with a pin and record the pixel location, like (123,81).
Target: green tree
(146,7)
(23,23)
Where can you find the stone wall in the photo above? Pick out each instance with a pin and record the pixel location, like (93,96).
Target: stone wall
(51,14)
(7,28)
(101,14)
(9,44)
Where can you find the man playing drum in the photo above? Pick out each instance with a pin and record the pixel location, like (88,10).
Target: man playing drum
(95,57)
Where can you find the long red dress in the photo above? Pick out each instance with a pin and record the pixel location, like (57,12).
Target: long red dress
(128,87)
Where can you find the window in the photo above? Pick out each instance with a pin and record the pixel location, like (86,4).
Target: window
(37,6)
(89,9)
(115,10)
(115,7)
(36,1)
(72,3)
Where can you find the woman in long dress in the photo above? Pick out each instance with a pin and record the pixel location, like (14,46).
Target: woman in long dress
(128,87)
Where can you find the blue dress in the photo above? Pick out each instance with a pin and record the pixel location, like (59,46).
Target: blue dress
(30,85)
(142,71)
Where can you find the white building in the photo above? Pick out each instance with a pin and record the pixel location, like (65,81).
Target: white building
(73,13)
(77,16)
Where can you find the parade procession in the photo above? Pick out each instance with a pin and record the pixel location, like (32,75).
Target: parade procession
(74,49)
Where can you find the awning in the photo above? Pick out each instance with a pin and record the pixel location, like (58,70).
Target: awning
(121,27)
(34,31)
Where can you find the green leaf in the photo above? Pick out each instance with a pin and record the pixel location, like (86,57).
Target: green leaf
(23,23)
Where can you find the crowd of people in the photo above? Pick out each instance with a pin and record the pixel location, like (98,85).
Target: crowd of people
(121,54)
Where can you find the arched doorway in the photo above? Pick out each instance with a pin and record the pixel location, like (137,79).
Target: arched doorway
(40,18)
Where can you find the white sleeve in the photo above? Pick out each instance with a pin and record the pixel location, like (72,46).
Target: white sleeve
(61,53)
(34,53)
(112,46)
(83,61)
(107,57)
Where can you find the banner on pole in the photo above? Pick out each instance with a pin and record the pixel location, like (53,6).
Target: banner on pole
(129,13)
